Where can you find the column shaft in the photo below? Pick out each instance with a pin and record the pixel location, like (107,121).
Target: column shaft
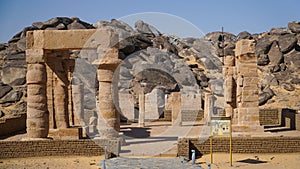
(37,112)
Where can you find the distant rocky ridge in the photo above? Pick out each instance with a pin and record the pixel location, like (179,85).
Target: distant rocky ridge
(199,62)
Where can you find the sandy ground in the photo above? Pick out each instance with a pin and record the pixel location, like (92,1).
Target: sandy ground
(252,161)
(73,162)
(221,161)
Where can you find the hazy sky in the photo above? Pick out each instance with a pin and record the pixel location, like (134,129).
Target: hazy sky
(254,16)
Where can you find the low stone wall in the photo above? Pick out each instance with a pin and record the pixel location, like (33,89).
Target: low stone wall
(12,125)
(37,148)
(192,115)
(269,116)
(167,116)
(239,145)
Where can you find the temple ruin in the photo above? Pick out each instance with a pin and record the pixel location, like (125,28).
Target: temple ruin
(49,76)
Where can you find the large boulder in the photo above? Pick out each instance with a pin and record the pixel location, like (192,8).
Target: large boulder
(263,45)
(244,35)
(294,27)
(275,55)
(287,42)
(143,27)
(4,89)
(292,59)
(11,97)
(13,76)
(265,95)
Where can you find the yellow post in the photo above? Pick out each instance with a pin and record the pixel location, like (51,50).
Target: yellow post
(211,151)
(230,149)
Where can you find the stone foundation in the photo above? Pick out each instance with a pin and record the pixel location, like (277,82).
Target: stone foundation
(38,148)
(239,145)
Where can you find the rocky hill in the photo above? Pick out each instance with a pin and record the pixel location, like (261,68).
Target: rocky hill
(198,62)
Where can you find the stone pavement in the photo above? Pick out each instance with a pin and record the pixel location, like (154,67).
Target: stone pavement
(150,163)
(155,139)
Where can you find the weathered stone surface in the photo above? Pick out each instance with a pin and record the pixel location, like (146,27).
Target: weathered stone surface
(275,55)
(1,113)
(11,97)
(295,81)
(76,25)
(163,43)
(279,31)
(269,79)
(288,86)
(266,95)
(263,45)
(176,109)
(292,59)
(287,42)
(244,35)
(4,89)
(244,47)
(263,60)
(294,27)
(221,41)
(143,27)
(3,46)
(68,39)
(13,76)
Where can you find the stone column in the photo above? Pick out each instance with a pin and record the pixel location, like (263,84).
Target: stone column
(229,85)
(108,125)
(107,112)
(61,103)
(78,107)
(37,112)
(208,106)
(176,109)
(73,121)
(247,88)
(142,109)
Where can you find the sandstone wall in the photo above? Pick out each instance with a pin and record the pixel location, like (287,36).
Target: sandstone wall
(19,149)
(239,145)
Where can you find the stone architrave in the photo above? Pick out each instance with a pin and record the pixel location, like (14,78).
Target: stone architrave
(142,109)
(176,109)
(37,112)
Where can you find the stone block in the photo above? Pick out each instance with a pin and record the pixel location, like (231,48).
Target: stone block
(191,101)
(126,104)
(248,58)
(64,39)
(176,109)
(109,57)
(36,73)
(244,47)
(35,56)
(250,98)
(105,75)
(229,60)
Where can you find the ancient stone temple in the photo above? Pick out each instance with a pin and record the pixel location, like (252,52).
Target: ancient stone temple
(241,88)
(49,75)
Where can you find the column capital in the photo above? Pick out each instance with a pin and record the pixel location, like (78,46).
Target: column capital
(34,56)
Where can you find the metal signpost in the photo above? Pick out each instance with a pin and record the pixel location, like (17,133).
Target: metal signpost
(220,127)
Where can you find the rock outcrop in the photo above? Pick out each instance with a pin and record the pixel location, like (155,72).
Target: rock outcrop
(188,64)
